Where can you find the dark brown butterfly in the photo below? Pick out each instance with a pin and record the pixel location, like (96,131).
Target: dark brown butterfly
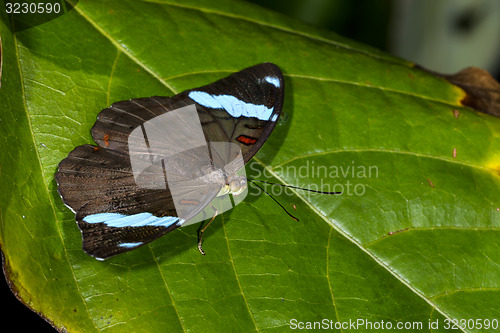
(119,208)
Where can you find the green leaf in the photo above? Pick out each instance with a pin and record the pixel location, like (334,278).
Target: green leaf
(412,239)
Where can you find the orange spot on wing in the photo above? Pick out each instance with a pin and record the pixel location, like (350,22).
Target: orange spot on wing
(106,138)
(247,140)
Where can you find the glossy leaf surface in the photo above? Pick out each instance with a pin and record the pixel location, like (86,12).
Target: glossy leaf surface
(413,238)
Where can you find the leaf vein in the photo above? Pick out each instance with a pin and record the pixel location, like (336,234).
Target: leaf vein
(273,26)
(237,276)
(124,50)
(388,151)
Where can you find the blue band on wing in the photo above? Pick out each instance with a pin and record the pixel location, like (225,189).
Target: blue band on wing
(232,105)
(130,245)
(137,220)
(273,80)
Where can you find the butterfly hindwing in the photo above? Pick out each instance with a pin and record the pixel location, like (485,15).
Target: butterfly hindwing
(115,211)
(103,236)
(98,184)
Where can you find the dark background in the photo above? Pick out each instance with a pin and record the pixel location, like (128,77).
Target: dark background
(444,35)
(441,35)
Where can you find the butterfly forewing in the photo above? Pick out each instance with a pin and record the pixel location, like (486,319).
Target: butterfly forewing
(242,108)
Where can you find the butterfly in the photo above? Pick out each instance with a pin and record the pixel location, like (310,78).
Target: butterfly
(160,162)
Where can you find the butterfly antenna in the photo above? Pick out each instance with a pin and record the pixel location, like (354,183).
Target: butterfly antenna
(253,182)
(290,186)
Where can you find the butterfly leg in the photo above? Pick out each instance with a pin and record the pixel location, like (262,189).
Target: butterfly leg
(202,229)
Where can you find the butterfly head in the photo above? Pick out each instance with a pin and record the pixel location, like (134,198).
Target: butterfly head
(235,185)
